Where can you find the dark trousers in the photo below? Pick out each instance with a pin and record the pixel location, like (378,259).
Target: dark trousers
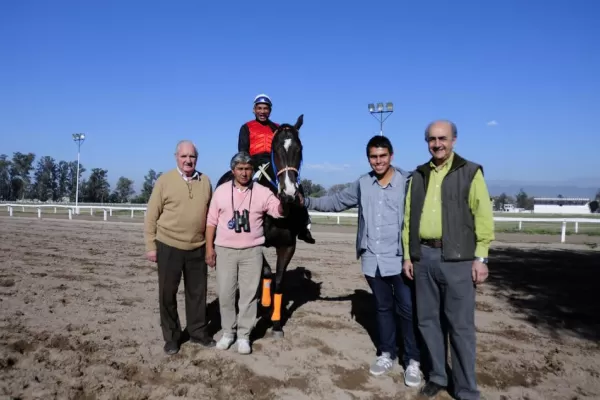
(393,295)
(448,288)
(172,264)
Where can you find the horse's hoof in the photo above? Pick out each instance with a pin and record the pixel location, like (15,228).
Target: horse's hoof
(277,334)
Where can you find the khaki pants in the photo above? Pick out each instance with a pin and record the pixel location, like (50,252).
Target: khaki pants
(238,269)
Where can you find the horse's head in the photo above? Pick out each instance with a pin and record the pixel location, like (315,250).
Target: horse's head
(286,155)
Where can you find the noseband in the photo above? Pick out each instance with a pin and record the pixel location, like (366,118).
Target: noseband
(288,169)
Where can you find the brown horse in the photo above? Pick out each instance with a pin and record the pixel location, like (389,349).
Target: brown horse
(283,178)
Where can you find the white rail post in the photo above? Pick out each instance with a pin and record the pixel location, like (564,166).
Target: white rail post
(10,211)
(39,212)
(338,219)
(576,227)
(520,225)
(54,210)
(104,214)
(563,232)
(70,213)
(110,212)
(22,208)
(91,211)
(132,213)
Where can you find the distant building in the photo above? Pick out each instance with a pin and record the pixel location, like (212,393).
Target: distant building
(508,207)
(559,205)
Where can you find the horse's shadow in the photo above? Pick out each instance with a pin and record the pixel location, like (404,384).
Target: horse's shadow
(299,289)
(362,310)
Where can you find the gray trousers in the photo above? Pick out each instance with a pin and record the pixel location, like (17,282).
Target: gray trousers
(238,269)
(447,288)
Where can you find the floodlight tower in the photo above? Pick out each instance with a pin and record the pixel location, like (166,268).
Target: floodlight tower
(78,138)
(380,112)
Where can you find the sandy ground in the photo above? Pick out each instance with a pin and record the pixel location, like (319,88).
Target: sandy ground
(79,320)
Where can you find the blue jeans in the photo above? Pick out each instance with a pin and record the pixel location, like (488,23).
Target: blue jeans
(393,294)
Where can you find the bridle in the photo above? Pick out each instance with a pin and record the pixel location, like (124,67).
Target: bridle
(285,169)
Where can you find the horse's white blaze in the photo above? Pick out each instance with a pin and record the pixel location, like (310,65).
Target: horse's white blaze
(290,187)
(287,143)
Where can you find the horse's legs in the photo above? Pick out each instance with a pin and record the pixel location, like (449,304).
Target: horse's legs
(267,279)
(284,256)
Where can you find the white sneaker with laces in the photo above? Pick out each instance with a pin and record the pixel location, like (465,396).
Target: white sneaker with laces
(412,374)
(226,341)
(244,346)
(382,364)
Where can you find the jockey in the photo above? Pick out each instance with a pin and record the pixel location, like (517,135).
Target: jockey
(256,137)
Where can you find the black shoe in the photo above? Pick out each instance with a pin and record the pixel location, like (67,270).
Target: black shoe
(171,348)
(431,389)
(306,236)
(204,341)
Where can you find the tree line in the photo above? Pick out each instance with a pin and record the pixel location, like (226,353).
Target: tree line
(49,180)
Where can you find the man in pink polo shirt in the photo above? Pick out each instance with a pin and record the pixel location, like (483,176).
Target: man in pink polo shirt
(234,241)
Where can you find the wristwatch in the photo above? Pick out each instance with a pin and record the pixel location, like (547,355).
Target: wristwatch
(481,259)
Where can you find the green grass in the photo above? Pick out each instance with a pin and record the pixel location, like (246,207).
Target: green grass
(531,215)
(540,228)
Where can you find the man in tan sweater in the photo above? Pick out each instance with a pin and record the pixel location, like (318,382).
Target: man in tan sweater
(174,231)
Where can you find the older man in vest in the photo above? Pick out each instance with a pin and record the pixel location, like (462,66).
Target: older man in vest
(449,225)
(255,138)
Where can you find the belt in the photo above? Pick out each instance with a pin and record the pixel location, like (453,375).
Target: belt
(435,243)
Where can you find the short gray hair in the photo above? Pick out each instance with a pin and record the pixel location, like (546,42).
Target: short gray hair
(240,158)
(186,142)
(452,127)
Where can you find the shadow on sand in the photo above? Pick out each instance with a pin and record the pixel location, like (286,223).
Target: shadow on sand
(299,289)
(553,289)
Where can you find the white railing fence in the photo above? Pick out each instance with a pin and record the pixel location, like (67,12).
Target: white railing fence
(108,211)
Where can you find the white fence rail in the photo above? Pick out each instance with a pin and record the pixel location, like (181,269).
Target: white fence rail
(108,211)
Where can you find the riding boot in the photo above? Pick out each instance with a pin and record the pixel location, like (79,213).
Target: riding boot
(304,233)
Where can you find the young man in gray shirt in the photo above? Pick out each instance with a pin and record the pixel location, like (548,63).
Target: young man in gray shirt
(379,196)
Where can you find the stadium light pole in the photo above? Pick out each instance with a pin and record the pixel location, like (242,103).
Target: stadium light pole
(378,112)
(78,138)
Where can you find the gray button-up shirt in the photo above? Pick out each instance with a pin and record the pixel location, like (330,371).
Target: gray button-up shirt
(380,219)
(383,231)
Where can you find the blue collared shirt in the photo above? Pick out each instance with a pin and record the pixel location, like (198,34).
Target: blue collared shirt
(383,230)
(380,219)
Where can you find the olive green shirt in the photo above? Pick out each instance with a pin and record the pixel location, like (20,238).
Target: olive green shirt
(431,218)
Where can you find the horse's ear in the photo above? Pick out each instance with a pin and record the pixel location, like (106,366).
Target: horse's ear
(299,122)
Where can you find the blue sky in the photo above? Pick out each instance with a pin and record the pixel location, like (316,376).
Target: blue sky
(519,78)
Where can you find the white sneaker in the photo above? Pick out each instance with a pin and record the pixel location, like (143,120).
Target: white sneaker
(244,346)
(412,374)
(382,364)
(226,341)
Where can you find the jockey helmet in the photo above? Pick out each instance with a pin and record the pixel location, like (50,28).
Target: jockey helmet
(263,99)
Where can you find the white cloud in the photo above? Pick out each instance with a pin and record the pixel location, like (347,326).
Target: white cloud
(327,167)
(492,123)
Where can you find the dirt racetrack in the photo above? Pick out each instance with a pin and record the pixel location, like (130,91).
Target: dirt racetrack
(79,320)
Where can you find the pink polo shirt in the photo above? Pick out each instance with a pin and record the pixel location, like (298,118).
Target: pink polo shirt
(220,213)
